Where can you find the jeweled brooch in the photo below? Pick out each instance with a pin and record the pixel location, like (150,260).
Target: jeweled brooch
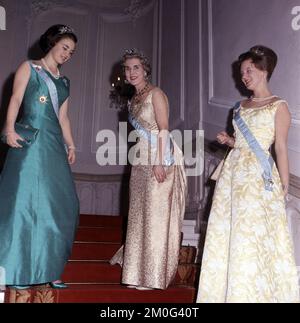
(66,82)
(43,99)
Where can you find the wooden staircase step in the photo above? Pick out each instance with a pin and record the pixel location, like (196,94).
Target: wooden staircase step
(91,272)
(94,250)
(102,294)
(92,279)
(101,272)
(99,234)
(121,294)
(100,220)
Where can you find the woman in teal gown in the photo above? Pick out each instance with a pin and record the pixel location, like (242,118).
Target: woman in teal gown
(38,203)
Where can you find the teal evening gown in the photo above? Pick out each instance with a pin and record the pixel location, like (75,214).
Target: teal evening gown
(38,202)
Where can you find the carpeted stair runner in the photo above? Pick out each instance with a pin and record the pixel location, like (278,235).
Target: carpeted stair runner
(91,279)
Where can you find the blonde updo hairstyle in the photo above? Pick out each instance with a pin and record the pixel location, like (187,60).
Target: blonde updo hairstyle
(136,53)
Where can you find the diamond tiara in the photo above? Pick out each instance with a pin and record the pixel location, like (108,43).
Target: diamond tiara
(65,30)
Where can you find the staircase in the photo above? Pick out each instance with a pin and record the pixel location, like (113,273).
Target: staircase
(91,279)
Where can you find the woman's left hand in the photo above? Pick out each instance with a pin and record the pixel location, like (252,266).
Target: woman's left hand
(71,156)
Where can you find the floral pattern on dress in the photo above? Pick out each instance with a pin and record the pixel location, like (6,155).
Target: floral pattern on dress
(248,255)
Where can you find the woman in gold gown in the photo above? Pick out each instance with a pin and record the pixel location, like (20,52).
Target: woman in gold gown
(248,254)
(157,186)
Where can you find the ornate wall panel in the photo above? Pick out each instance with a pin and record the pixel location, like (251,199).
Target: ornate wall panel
(230,33)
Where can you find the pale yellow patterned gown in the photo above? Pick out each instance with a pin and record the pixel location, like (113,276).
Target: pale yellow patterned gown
(155,215)
(248,255)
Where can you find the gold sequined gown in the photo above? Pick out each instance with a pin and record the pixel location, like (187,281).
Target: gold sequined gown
(156,213)
(248,255)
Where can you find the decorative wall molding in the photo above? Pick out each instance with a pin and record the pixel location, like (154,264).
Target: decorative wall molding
(210,51)
(79,130)
(98,198)
(295,186)
(295,120)
(221,103)
(39,6)
(98,82)
(212,99)
(134,10)
(211,87)
(159,40)
(101,178)
(182,64)
(201,69)
(294,149)
(218,102)
(130,14)
(293,217)
(102,195)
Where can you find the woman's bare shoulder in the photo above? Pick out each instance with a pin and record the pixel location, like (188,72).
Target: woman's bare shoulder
(158,93)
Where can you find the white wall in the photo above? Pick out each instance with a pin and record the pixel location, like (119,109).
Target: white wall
(230,30)
(233,29)
(168,31)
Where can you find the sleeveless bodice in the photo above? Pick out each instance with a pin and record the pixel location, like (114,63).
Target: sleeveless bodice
(37,106)
(261,122)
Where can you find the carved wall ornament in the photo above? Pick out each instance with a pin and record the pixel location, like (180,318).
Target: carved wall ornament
(40,6)
(135,9)
(296,115)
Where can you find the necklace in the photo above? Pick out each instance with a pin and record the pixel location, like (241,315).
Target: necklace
(262,99)
(56,76)
(139,95)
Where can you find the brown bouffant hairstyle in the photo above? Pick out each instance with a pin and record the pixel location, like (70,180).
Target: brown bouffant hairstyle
(53,35)
(136,53)
(264,59)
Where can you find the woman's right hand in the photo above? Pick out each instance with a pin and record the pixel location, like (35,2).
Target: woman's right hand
(159,172)
(224,139)
(11,139)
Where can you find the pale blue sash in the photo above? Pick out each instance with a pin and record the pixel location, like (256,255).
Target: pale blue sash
(152,138)
(51,87)
(265,161)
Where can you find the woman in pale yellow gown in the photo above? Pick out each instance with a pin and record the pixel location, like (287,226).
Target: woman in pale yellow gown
(157,187)
(248,255)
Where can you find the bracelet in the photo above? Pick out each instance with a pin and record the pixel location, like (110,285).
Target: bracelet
(71,148)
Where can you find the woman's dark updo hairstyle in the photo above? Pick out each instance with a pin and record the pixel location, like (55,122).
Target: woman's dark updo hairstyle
(264,59)
(54,34)
(136,53)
